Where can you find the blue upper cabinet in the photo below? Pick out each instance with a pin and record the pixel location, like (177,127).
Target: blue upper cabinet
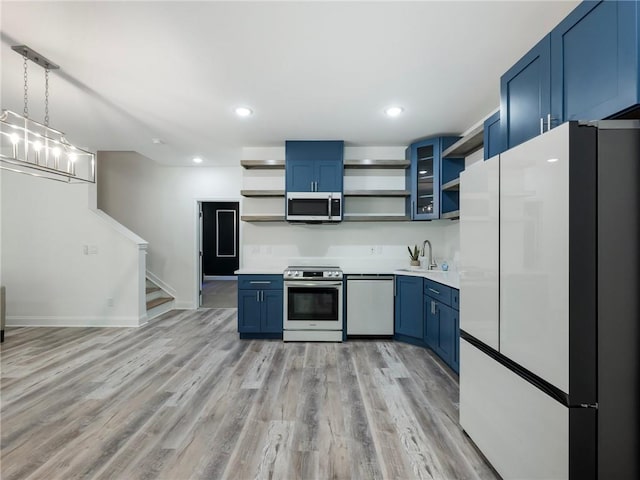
(425,176)
(492,136)
(525,96)
(587,68)
(594,61)
(314,166)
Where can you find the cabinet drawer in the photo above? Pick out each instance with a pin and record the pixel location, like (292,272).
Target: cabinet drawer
(455,298)
(259,282)
(437,291)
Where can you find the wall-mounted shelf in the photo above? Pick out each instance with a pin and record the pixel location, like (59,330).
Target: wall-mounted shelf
(262,193)
(263,164)
(377,193)
(471,142)
(279,164)
(452,185)
(377,164)
(376,218)
(455,214)
(262,218)
(347,218)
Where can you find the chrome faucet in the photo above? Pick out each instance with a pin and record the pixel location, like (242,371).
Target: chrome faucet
(432,264)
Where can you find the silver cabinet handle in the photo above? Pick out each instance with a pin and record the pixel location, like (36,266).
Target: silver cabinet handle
(261,282)
(541,125)
(262,295)
(257,295)
(433,307)
(434,291)
(548,122)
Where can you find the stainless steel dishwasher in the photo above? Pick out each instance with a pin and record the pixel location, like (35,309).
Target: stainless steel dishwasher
(370,305)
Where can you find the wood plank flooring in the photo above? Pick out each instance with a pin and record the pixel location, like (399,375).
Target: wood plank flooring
(184,398)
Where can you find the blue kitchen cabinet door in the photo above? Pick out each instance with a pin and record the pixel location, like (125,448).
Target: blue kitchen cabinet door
(492,136)
(329,175)
(432,324)
(446,333)
(424,179)
(408,307)
(525,96)
(249,311)
(271,311)
(594,61)
(300,175)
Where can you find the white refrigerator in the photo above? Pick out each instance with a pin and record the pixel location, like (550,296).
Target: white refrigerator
(549,302)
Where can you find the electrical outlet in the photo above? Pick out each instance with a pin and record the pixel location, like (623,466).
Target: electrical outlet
(372,251)
(110,302)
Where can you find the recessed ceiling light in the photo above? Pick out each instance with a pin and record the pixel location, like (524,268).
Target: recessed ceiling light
(197,160)
(243,111)
(552,160)
(393,111)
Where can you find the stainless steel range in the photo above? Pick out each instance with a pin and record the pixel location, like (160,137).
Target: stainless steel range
(312,304)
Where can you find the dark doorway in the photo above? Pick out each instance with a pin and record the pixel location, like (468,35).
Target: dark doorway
(220,238)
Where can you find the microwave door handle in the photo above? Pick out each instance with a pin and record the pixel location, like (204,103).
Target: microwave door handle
(329,201)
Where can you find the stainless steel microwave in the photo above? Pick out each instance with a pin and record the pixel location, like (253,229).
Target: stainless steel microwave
(314,207)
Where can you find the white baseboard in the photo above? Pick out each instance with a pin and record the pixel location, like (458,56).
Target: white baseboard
(184,305)
(105,322)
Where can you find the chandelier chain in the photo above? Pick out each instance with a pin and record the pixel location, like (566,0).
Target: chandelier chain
(46,97)
(26,90)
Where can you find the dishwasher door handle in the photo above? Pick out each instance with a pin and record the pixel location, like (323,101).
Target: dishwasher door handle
(355,278)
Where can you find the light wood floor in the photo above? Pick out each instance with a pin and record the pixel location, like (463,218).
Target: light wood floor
(220,293)
(184,398)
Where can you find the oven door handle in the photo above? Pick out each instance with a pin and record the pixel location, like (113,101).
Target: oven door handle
(317,284)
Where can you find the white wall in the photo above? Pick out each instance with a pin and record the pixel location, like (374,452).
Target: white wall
(50,280)
(159,203)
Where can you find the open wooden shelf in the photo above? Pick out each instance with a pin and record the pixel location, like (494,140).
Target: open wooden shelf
(263,164)
(471,142)
(376,218)
(452,185)
(453,215)
(376,163)
(377,193)
(262,193)
(262,218)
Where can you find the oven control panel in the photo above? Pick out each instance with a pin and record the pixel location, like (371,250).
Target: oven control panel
(305,273)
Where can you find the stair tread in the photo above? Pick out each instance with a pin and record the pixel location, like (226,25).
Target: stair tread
(158,301)
(152,289)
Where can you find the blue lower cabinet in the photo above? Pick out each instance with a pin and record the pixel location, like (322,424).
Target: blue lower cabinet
(432,323)
(260,306)
(249,311)
(271,318)
(409,323)
(426,314)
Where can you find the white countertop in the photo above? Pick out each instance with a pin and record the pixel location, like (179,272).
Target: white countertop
(450,278)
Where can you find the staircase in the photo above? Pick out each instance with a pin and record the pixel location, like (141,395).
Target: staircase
(158,301)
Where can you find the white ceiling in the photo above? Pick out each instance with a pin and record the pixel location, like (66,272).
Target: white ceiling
(134,71)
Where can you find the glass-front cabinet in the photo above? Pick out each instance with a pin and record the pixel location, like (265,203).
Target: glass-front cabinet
(424,177)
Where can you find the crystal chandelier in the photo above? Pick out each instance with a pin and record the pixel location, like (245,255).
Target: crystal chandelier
(34,148)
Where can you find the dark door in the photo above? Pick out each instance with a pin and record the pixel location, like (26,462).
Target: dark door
(220,242)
